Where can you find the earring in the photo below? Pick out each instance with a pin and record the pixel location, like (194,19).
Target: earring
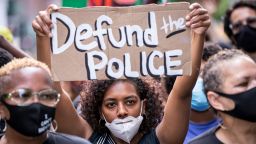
(4,123)
(101,121)
(144,116)
(54,125)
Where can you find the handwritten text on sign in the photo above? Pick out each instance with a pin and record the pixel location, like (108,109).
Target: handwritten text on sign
(100,43)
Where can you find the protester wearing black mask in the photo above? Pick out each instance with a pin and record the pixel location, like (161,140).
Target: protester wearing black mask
(240,26)
(28,103)
(230,84)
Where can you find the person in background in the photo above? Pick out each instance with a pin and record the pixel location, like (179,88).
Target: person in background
(73,89)
(240,26)
(202,116)
(6,33)
(216,33)
(10,52)
(230,84)
(28,103)
(5,39)
(5,57)
(6,43)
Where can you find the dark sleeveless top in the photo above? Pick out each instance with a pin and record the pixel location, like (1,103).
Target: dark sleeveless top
(148,138)
(60,138)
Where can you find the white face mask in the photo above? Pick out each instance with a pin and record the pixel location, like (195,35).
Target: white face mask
(126,128)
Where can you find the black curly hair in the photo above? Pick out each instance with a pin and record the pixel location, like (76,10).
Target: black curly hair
(227,21)
(210,49)
(92,97)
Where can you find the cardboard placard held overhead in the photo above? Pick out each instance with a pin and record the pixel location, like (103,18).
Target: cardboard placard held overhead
(120,42)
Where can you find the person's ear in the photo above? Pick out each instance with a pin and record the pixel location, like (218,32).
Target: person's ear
(4,112)
(214,100)
(220,103)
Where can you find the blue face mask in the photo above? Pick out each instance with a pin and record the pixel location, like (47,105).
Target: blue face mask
(199,101)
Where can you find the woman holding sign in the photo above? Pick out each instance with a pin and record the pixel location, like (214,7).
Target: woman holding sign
(120,104)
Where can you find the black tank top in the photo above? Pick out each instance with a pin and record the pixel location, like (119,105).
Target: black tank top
(148,138)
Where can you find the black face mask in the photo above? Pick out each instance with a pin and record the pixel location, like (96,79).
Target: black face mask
(32,120)
(246,39)
(245,105)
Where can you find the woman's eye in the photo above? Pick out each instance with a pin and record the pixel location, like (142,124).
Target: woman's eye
(130,102)
(110,105)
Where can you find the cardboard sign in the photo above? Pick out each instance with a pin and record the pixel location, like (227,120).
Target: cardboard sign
(120,42)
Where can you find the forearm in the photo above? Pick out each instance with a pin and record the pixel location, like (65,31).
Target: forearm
(18,53)
(177,108)
(184,84)
(43,49)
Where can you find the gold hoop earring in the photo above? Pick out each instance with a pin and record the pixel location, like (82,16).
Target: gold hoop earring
(101,121)
(5,125)
(54,125)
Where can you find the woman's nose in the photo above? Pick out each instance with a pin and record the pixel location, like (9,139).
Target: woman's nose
(122,111)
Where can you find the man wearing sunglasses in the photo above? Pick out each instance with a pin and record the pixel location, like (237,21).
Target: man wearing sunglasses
(240,26)
(28,104)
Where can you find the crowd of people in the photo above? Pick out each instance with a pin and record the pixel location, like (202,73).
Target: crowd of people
(213,105)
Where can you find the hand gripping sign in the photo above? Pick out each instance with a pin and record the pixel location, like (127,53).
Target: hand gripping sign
(120,42)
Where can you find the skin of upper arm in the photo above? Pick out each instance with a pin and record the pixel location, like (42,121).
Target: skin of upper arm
(69,121)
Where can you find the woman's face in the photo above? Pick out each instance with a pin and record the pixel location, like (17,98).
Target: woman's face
(121,100)
(33,78)
(241,77)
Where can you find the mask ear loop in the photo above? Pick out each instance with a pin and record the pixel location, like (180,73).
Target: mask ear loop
(142,102)
(104,118)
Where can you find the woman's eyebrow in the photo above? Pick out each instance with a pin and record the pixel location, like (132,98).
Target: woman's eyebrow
(109,99)
(131,96)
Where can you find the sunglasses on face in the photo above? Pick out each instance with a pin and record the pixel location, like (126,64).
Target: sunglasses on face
(236,27)
(24,97)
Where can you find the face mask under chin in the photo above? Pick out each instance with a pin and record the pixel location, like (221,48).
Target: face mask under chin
(126,128)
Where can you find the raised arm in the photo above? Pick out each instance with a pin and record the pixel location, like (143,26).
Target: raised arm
(18,53)
(174,124)
(68,120)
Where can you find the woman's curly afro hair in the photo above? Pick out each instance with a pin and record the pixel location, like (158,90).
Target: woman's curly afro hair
(93,93)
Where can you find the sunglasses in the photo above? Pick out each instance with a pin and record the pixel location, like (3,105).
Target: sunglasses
(24,97)
(236,27)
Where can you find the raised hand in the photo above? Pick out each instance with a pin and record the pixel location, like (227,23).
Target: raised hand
(198,19)
(42,23)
